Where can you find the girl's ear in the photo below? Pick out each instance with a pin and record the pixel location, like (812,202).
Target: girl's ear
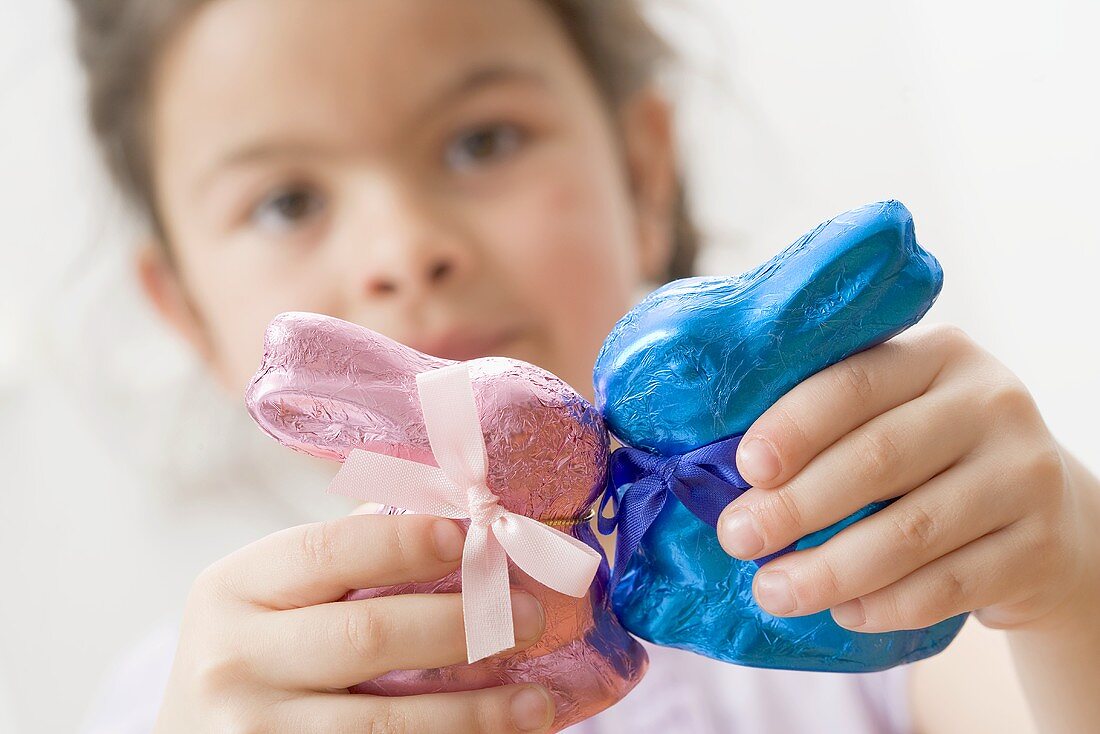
(649,149)
(161,284)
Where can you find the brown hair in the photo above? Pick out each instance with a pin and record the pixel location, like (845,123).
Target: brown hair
(118,41)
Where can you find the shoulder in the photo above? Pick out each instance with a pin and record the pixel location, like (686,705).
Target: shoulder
(131,692)
(686,692)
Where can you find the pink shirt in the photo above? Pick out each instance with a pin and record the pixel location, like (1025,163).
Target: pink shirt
(681,693)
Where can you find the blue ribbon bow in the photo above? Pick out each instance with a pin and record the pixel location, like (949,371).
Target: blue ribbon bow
(705,480)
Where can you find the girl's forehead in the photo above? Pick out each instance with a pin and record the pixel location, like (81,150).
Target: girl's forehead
(246,70)
(390,50)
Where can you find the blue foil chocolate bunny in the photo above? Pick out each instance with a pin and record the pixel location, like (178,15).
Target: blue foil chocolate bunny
(686,373)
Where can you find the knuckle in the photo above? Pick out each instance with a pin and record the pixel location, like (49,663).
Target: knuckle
(897,608)
(486,715)
(855,379)
(217,674)
(879,454)
(388,719)
(915,527)
(783,512)
(1043,467)
(403,541)
(882,610)
(952,337)
(365,630)
(1008,399)
(209,580)
(827,588)
(212,583)
(318,544)
(1040,542)
(242,723)
(951,593)
(784,430)
(1037,542)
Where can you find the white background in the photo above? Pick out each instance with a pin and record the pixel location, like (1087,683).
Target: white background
(122,476)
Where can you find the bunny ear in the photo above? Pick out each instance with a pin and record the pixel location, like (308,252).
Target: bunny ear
(327,386)
(701,359)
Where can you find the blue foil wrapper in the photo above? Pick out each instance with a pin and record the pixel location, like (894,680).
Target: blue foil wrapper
(699,360)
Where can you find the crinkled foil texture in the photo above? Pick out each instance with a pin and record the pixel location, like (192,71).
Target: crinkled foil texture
(700,360)
(327,387)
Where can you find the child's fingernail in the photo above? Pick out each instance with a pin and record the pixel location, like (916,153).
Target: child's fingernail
(449,539)
(850,614)
(527,616)
(368,508)
(757,461)
(532,709)
(739,535)
(774,593)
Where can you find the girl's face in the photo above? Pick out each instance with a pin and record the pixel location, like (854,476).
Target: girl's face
(442,172)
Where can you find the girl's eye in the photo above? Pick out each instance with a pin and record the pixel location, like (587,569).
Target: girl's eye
(482,146)
(287,209)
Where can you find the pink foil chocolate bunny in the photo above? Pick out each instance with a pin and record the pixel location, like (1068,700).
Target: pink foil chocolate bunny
(333,390)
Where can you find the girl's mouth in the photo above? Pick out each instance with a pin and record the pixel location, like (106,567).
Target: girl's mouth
(462,344)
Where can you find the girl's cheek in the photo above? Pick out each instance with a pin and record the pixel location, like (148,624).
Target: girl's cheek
(568,250)
(591,251)
(236,285)
(570,223)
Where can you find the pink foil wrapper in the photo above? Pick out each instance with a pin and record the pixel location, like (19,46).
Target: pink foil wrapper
(327,387)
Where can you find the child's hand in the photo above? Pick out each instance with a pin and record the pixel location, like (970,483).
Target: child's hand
(987,517)
(264,646)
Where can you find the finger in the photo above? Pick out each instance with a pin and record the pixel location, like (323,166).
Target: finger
(953,509)
(977,575)
(885,458)
(505,709)
(341,644)
(835,401)
(320,562)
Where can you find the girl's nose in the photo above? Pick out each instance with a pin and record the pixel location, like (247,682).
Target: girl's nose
(416,277)
(414,250)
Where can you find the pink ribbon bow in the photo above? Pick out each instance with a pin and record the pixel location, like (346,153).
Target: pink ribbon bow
(458,490)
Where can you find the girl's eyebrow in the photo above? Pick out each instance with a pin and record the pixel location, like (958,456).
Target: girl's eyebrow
(258,151)
(477,79)
(474,81)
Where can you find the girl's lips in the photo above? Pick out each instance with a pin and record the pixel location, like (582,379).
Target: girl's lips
(460,345)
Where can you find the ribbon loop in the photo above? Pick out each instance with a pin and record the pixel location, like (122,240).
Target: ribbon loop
(607,523)
(704,480)
(458,489)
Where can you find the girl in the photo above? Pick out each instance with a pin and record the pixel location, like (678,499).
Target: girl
(498,177)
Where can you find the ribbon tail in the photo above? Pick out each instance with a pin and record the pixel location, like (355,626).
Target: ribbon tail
(453,425)
(486,598)
(556,560)
(388,480)
(707,481)
(638,510)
